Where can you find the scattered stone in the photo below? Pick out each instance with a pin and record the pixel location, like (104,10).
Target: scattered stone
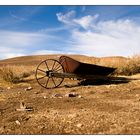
(57,96)
(79,96)
(45,97)
(24,108)
(79,125)
(28,89)
(8,87)
(36,92)
(22,105)
(108,86)
(74,115)
(72,95)
(17,122)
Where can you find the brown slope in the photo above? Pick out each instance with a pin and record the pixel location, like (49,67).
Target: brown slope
(36,59)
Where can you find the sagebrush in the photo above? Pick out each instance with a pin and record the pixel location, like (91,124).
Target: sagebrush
(14,74)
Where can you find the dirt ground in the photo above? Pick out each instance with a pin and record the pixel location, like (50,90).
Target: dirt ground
(107,108)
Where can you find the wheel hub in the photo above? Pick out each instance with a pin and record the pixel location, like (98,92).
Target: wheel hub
(49,73)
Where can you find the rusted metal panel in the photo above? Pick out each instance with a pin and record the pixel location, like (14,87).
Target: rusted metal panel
(73,66)
(70,65)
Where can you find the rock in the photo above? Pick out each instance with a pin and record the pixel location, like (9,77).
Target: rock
(74,115)
(45,97)
(28,88)
(108,86)
(36,92)
(19,92)
(17,122)
(79,125)
(24,108)
(57,96)
(72,95)
(8,87)
(22,105)
(79,96)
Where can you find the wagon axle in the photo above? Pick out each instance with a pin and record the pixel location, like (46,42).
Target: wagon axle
(49,73)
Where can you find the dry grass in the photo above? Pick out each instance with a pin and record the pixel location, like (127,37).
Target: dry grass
(15,74)
(125,66)
(130,67)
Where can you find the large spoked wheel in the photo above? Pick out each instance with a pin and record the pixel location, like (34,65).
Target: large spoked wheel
(43,73)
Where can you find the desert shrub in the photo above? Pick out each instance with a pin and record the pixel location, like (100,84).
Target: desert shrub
(130,67)
(13,74)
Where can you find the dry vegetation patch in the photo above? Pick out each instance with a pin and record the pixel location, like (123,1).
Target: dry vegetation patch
(131,67)
(15,74)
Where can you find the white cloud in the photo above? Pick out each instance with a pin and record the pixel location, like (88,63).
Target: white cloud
(16,17)
(105,38)
(7,52)
(11,55)
(110,39)
(86,21)
(14,43)
(21,39)
(69,19)
(66,18)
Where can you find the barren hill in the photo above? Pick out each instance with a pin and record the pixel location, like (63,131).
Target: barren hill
(33,60)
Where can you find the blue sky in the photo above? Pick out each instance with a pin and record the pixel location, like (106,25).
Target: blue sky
(87,30)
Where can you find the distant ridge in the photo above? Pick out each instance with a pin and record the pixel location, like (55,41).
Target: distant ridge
(36,59)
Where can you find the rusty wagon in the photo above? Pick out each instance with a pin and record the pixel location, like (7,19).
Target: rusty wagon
(50,73)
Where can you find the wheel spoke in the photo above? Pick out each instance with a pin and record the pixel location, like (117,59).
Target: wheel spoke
(47,65)
(56,66)
(53,65)
(41,70)
(53,81)
(41,77)
(58,69)
(59,66)
(47,82)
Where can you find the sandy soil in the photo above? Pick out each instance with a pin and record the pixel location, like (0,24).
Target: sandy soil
(107,108)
